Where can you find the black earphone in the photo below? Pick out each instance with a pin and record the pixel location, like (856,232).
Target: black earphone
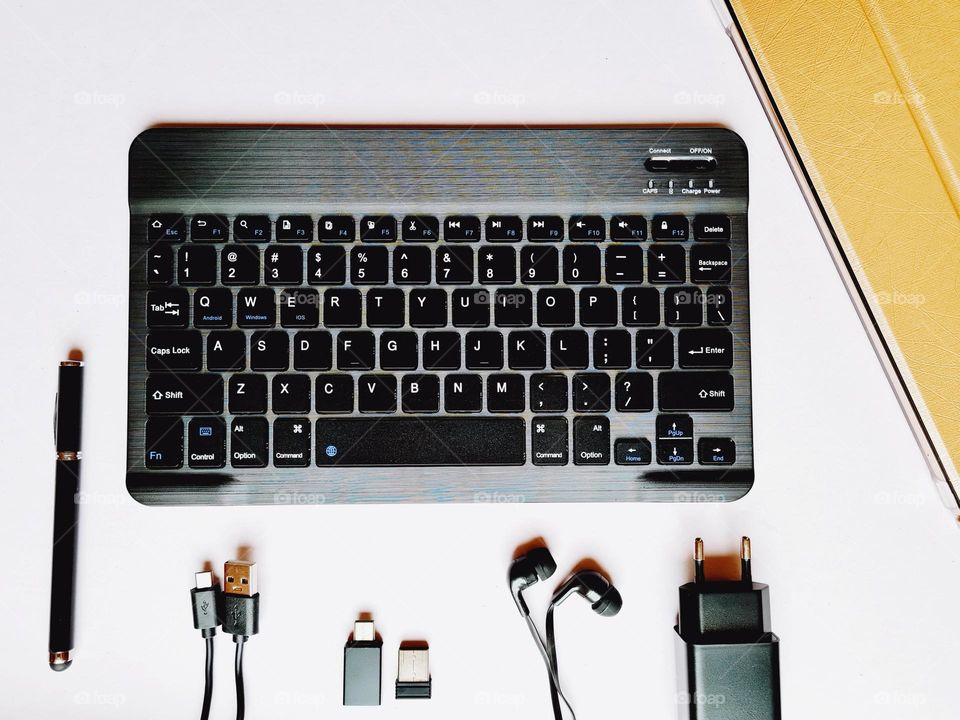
(528,569)
(603,597)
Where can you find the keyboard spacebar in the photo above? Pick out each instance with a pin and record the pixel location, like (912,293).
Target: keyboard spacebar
(421,441)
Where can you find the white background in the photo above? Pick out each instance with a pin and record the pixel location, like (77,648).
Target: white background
(846,524)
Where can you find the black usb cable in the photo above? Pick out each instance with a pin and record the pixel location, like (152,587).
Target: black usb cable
(241,615)
(207,604)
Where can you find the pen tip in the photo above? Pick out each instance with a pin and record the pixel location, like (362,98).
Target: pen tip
(60,661)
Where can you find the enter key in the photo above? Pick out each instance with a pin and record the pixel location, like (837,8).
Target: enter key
(705,348)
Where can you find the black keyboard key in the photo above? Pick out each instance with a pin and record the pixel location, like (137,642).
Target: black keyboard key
(612,350)
(160,265)
(708,348)
(471,308)
(716,451)
(569,349)
(624,264)
(398,351)
(290,393)
(591,228)
(251,228)
(168,308)
(248,393)
(256,307)
(628,228)
(513,308)
(696,390)
(421,228)
(556,307)
(710,263)
(591,440)
(385,308)
(270,350)
(184,394)
(719,304)
(168,226)
(674,452)
(174,350)
(634,392)
(337,228)
(342,308)
(545,228)
(283,265)
(549,444)
(299,307)
(670,227)
(505,393)
(497,265)
(334,393)
(420,394)
(632,451)
(249,442)
(441,351)
(378,228)
(454,265)
(312,350)
(461,228)
(226,351)
(295,228)
(326,265)
(654,349)
(209,228)
(598,307)
(356,350)
(377,393)
(683,306)
(674,427)
(463,393)
(421,441)
(666,264)
(163,443)
(213,308)
(292,444)
(369,265)
(711,227)
(411,266)
(428,308)
(640,306)
(484,351)
(207,443)
(548,392)
(196,265)
(581,265)
(527,350)
(239,265)
(591,392)
(539,265)
(504,228)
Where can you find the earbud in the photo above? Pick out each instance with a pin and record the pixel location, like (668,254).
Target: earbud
(530,568)
(603,597)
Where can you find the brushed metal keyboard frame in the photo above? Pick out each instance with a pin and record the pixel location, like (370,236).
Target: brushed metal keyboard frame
(439,171)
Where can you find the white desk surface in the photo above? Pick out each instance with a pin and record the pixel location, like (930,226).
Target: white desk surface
(846,524)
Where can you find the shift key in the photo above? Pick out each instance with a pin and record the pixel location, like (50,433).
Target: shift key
(683,391)
(184,394)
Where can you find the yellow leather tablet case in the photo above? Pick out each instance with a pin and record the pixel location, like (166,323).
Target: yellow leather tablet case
(867,98)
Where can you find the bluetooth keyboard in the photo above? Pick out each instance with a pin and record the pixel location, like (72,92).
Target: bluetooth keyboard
(425,315)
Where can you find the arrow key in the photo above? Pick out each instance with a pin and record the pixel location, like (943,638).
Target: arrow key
(674,452)
(632,451)
(716,451)
(674,427)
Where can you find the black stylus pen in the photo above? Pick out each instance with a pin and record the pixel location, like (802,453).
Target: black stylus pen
(67,485)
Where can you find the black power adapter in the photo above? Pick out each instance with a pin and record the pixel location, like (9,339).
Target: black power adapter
(728,659)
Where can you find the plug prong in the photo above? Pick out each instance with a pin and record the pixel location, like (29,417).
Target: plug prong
(698,560)
(746,574)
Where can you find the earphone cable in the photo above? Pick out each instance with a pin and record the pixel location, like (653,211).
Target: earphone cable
(552,651)
(554,682)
